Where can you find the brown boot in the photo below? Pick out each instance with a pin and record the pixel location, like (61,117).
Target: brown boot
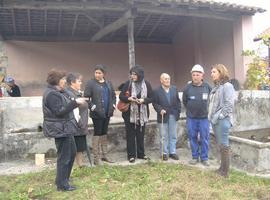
(104,149)
(95,146)
(225,161)
(79,159)
(221,161)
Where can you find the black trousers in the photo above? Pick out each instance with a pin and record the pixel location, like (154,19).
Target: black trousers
(135,140)
(66,152)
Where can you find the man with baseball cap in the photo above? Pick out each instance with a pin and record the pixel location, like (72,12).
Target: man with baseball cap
(195,97)
(13,89)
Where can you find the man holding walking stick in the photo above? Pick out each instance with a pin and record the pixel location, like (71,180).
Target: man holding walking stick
(168,107)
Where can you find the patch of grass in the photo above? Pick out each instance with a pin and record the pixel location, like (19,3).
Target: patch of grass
(152,180)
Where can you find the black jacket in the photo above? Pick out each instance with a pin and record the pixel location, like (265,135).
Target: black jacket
(58,115)
(83,111)
(147,100)
(93,90)
(160,102)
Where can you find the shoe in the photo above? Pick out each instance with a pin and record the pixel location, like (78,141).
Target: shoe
(194,161)
(144,157)
(67,188)
(205,163)
(105,159)
(131,160)
(174,156)
(164,157)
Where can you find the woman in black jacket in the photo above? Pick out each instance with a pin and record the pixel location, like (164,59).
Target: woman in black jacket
(101,104)
(59,123)
(73,91)
(140,95)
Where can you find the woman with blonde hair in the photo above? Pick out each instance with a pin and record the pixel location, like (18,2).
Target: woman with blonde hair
(221,103)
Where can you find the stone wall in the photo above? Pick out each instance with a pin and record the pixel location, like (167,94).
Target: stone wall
(21,119)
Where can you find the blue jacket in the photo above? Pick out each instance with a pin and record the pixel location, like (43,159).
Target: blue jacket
(160,102)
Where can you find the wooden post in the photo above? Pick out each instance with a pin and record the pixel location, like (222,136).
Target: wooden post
(3,57)
(131,46)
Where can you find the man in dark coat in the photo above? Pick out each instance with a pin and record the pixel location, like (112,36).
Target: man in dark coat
(168,107)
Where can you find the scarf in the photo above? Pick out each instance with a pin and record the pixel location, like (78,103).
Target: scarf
(138,112)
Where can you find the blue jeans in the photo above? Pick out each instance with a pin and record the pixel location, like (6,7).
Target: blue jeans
(168,138)
(221,130)
(198,130)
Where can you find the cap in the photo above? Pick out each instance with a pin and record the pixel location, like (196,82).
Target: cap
(9,79)
(197,68)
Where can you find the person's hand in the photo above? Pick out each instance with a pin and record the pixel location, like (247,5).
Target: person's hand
(132,99)
(162,112)
(80,100)
(140,101)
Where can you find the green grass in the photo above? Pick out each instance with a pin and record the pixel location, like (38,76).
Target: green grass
(145,181)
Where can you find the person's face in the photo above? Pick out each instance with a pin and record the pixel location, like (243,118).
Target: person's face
(197,77)
(76,85)
(134,76)
(215,74)
(62,83)
(165,80)
(99,75)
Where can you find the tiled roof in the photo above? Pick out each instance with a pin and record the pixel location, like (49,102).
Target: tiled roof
(215,4)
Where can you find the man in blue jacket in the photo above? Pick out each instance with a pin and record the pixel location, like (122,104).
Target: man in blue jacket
(195,97)
(168,106)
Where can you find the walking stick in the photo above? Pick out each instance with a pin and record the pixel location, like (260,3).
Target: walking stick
(162,138)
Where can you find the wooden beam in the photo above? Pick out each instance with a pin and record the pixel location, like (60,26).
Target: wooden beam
(59,22)
(45,22)
(66,6)
(91,19)
(186,12)
(13,22)
(142,25)
(29,22)
(155,26)
(131,45)
(74,25)
(113,26)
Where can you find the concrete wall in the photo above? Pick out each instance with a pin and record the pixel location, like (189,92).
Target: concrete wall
(29,62)
(21,118)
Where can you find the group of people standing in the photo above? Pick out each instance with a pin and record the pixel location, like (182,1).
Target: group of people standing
(66,111)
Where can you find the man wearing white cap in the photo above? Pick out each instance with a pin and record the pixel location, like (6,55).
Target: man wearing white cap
(195,97)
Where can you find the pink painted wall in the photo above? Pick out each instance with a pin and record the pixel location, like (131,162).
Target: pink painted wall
(203,41)
(206,42)
(29,62)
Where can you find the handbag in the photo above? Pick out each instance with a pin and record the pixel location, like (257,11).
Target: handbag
(122,106)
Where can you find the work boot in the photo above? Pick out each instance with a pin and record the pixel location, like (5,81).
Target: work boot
(95,145)
(225,161)
(104,149)
(194,161)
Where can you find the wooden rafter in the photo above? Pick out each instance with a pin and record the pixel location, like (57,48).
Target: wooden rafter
(59,22)
(67,6)
(155,26)
(29,22)
(13,22)
(113,26)
(93,20)
(74,25)
(45,22)
(143,24)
